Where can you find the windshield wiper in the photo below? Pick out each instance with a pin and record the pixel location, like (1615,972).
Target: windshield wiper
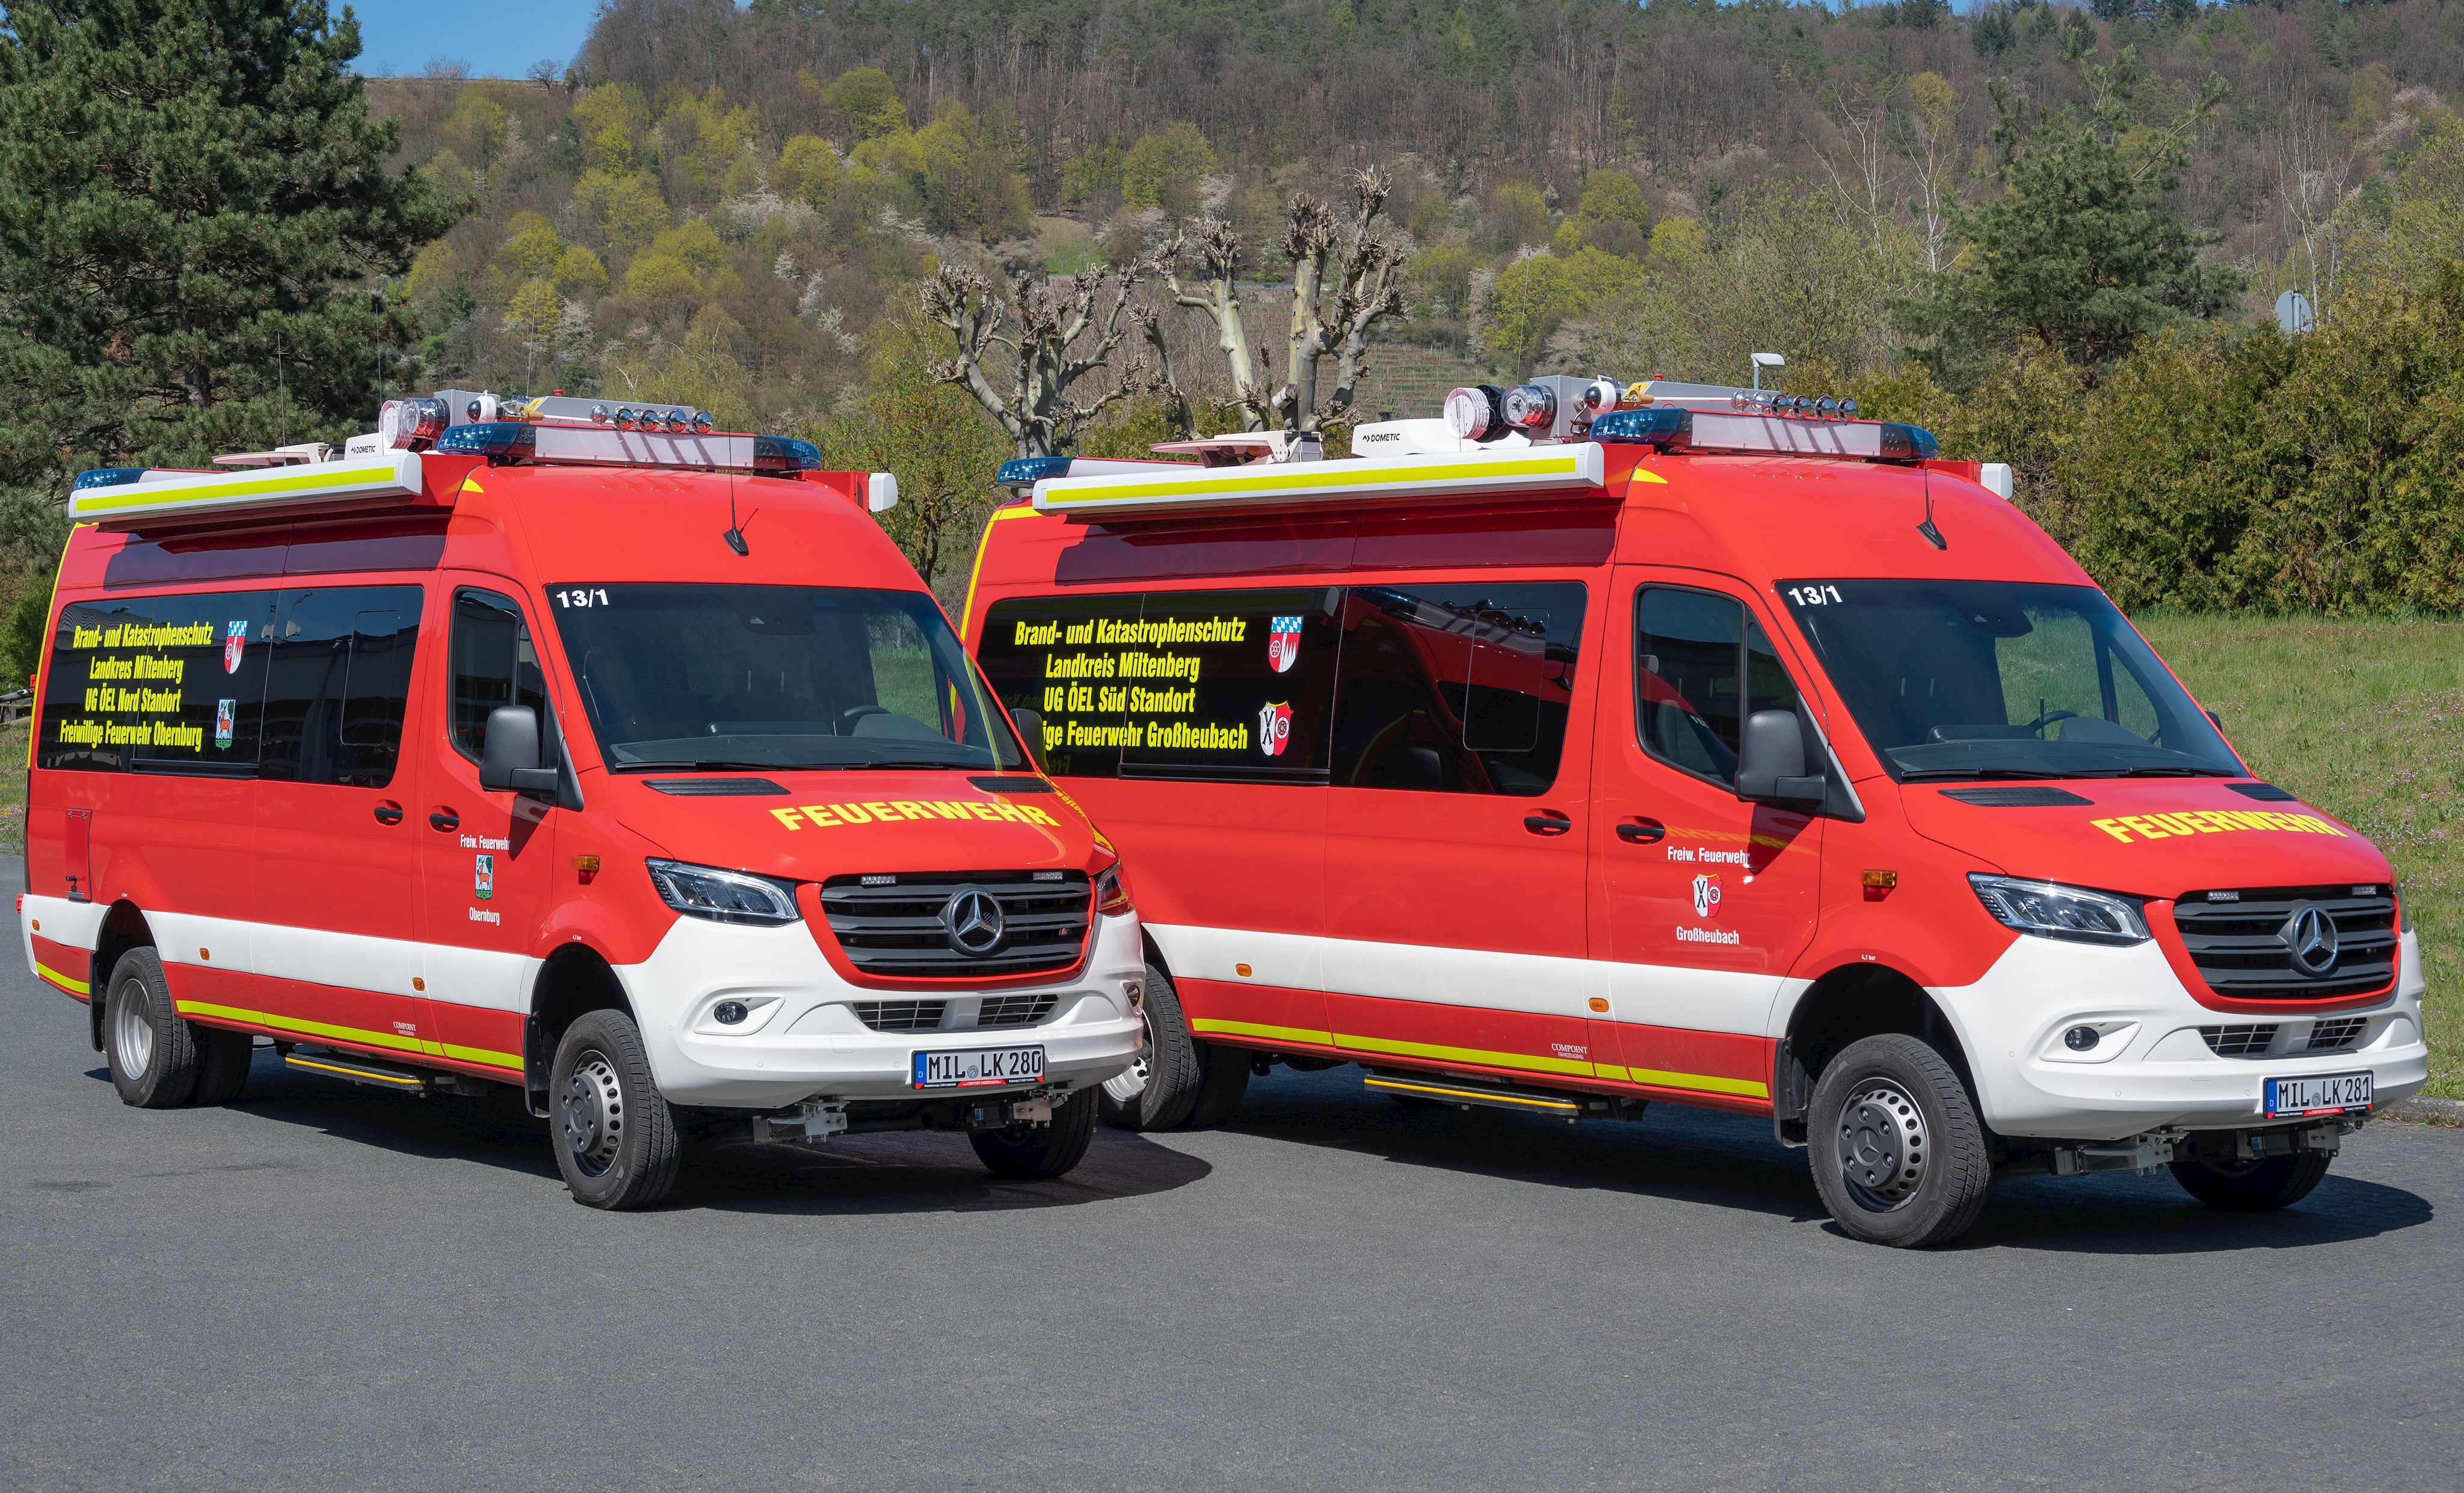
(1979,772)
(911,762)
(705,764)
(2171,772)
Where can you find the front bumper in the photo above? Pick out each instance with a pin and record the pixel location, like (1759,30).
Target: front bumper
(2151,1069)
(800,1039)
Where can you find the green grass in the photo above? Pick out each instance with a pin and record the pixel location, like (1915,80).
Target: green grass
(2365,720)
(13,788)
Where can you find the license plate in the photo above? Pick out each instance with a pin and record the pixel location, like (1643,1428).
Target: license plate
(2329,1094)
(979,1068)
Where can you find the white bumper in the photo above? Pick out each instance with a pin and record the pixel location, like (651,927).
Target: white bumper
(2151,1068)
(801,1040)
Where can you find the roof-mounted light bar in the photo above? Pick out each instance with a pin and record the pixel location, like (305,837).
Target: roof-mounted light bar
(127,495)
(599,446)
(1522,470)
(1681,430)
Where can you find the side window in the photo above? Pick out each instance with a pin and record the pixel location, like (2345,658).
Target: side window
(1702,666)
(493,663)
(164,684)
(1456,688)
(338,684)
(1206,685)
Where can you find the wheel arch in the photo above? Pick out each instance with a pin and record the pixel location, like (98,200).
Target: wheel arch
(1848,1004)
(124,928)
(575,979)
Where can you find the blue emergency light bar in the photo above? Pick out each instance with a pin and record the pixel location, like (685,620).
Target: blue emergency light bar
(505,440)
(1680,430)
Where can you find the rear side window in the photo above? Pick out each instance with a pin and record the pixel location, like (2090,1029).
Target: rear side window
(169,683)
(338,684)
(1702,666)
(1217,685)
(1456,688)
(495,663)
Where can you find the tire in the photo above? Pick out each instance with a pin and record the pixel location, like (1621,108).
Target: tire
(2253,1186)
(1040,1151)
(152,1052)
(615,1138)
(1899,1155)
(1156,1092)
(1218,1092)
(223,1058)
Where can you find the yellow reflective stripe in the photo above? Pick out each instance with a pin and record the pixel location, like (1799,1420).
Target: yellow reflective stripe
(75,987)
(1282,477)
(1495,1060)
(392,1040)
(967,615)
(1484,1095)
(314,476)
(1707,1082)
(1270,1033)
(1658,1078)
(406,1078)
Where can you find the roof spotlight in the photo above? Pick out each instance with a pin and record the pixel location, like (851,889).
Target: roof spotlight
(1476,414)
(1530,406)
(625,417)
(701,421)
(1826,407)
(1847,410)
(598,414)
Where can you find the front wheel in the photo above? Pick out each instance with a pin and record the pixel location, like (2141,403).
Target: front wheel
(2252,1186)
(1899,1155)
(1038,1150)
(1155,1093)
(616,1139)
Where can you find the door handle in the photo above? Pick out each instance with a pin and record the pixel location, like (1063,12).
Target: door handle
(388,813)
(444,819)
(1548,824)
(1644,833)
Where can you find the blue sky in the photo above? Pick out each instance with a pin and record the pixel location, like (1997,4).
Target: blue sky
(498,38)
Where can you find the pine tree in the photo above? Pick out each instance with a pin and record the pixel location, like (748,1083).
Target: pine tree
(2078,251)
(194,215)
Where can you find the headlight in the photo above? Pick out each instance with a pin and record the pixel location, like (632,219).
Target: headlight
(2050,909)
(725,896)
(1112,889)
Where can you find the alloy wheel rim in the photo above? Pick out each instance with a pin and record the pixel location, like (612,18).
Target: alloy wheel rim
(1883,1149)
(593,1113)
(132,1027)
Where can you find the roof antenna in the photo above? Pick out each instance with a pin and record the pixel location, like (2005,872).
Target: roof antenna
(735,536)
(1933,536)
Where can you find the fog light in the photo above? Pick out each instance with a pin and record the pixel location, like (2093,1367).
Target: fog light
(729,1013)
(2079,1039)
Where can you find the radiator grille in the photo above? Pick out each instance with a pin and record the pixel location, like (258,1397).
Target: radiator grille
(2336,1033)
(893,927)
(901,1016)
(2238,1042)
(2237,940)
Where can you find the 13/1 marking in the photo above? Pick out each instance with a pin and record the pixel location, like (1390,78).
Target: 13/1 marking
(582,596)
(1816,596)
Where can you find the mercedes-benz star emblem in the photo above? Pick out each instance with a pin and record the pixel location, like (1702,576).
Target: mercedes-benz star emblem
(972,917)
(2311,934)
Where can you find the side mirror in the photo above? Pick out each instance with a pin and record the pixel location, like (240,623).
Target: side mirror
(2214,719)
(511,759)
(1031,730)
(1771,764)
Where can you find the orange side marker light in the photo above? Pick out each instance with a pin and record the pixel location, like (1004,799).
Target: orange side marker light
(1241,970)
(1600,1005)
(1879,885)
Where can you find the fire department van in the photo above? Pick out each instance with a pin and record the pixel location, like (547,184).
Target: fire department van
(588,752)
(1598,745)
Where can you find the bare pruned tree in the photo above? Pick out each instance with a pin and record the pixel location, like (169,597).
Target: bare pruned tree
(1021,347)
(1343,285)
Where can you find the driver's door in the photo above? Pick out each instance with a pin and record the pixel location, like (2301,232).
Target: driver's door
(486,857)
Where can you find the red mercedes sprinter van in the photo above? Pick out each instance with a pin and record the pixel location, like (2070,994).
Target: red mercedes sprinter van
(1563,756)
(585,752)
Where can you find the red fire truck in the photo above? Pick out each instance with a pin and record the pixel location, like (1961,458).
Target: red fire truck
(1598,745)
(583,754)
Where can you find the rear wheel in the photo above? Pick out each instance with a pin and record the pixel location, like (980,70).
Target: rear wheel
(1226,1078)
(223,1060)
(1037,1151)
(1899,1155)
(1156,1092)
(2252,1186)
(616,1139)
(153,1052)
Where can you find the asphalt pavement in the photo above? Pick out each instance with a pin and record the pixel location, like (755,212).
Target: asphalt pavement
(323,1286)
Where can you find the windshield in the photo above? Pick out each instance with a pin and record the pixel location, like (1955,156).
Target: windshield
(1991,679)
(713,677)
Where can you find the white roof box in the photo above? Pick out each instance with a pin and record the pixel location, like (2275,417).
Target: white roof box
(1494,470)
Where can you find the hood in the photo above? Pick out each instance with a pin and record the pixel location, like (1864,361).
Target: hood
(812,825)
(2155,837)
